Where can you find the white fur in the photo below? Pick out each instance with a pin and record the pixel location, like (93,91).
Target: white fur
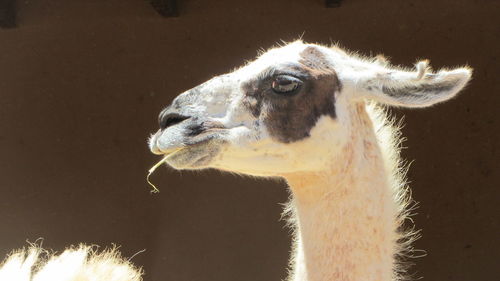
(81,263)
(349,195)
(348,190)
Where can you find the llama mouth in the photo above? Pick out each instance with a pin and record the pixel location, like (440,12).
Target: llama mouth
(194,130)
(186,139)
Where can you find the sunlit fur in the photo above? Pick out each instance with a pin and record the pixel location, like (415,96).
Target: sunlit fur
(348,193)
(349,198)
(82,263)
(361,205)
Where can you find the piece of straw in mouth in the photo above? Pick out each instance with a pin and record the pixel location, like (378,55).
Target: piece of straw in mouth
(155,189)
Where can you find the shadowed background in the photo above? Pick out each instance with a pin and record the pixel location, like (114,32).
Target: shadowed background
(82,83)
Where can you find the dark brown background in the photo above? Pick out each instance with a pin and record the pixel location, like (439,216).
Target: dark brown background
(82,82)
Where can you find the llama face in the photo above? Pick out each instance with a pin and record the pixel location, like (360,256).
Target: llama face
(265,118)
(288,110)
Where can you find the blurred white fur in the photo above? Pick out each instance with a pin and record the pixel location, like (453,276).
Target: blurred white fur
(82,263)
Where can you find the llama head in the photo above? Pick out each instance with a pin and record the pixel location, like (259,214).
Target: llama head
(289,110)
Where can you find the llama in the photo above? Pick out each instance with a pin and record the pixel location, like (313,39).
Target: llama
(310,114)
(82,263)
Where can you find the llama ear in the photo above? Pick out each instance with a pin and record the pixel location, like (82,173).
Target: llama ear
(421,88)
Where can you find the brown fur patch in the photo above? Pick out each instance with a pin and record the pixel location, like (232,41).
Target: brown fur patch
(291,118)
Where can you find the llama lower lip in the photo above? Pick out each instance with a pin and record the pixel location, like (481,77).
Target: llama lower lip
(196,154)
(188,144)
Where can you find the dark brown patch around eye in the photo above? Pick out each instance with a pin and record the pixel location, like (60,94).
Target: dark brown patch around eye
(291,118)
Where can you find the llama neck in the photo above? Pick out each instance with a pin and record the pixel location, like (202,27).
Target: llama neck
(345,219)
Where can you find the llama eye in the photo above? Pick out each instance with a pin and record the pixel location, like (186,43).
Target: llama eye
(285,84)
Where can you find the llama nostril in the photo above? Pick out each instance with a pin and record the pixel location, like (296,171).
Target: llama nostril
(170,119)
